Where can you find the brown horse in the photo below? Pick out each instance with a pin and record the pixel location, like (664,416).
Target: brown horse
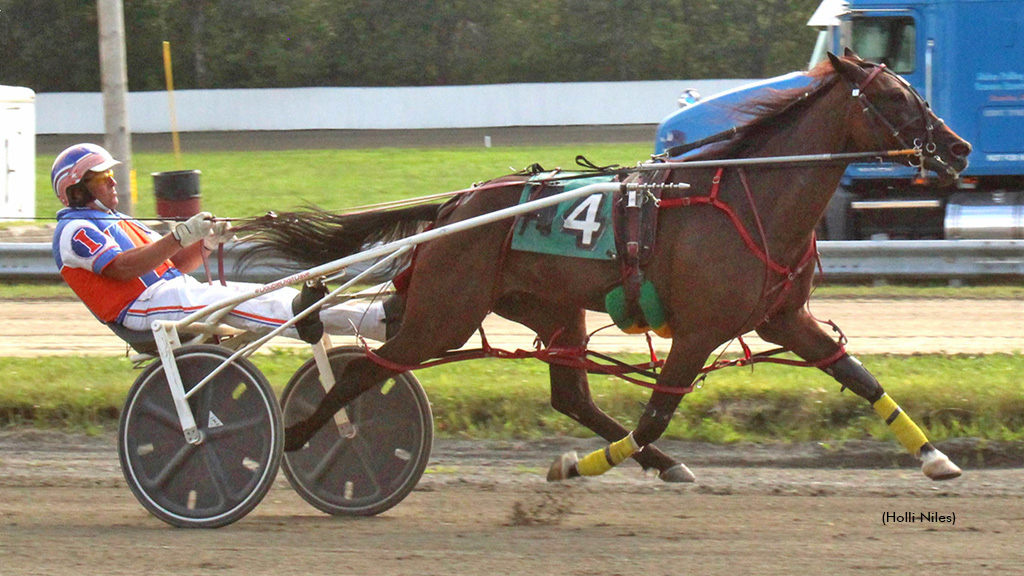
(714,282)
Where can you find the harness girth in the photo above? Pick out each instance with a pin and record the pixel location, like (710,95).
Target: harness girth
(636,223)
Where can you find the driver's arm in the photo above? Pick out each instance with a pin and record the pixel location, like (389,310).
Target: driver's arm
(135,262)
(183,247)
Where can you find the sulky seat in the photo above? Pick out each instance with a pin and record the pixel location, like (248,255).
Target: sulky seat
(142,341)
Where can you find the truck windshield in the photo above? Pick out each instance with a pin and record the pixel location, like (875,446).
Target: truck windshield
(890,41)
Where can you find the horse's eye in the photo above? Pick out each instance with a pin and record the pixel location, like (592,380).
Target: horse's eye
(896,99)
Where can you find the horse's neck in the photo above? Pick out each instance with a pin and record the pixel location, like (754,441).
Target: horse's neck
(791,200)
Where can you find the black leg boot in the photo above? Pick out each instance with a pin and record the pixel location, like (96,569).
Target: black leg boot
(310,328)
(394,306)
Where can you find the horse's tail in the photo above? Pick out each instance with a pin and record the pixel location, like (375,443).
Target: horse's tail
(306,239)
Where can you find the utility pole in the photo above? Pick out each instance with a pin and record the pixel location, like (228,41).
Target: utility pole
(114,81)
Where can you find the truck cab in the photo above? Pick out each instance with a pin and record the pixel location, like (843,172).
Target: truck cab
(966,57)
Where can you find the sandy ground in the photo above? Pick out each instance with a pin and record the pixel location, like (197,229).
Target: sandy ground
(485,509)
(872,326)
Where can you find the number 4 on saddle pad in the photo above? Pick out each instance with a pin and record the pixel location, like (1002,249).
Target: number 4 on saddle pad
(579,228)
(583,228)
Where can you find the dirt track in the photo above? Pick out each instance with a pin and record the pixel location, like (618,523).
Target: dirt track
(484,509)
(873,326)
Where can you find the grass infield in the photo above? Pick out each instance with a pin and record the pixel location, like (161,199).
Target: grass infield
(245,184)
(949,396)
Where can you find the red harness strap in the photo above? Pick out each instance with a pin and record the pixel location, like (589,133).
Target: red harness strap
(788,273)
(713,200)
(569,356)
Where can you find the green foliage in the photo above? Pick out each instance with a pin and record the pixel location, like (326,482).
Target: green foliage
(51,46)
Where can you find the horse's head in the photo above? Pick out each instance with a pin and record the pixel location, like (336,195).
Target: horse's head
(896,116)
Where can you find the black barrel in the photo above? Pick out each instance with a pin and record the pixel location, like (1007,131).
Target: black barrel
(177,193)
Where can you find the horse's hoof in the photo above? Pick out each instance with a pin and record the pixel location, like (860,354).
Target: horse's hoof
(564,467)
(677,473)
(938,466)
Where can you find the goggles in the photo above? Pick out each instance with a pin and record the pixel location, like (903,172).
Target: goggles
(98,176)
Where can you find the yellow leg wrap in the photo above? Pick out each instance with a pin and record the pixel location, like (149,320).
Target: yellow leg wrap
(600,461)
(901,425)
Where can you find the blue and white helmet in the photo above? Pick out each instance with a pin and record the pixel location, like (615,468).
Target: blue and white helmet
(71,165)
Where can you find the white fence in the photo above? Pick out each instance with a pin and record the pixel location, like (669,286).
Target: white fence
(18,156)
(554,104)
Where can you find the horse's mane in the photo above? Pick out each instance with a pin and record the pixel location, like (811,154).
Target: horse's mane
(771,111)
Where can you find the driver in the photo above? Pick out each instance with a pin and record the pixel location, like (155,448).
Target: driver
(127,274)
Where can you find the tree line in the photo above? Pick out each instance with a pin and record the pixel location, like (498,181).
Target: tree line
(52,45)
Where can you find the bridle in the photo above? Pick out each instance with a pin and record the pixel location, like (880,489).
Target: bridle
(927,146)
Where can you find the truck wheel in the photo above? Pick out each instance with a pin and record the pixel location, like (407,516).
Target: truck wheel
(838,218)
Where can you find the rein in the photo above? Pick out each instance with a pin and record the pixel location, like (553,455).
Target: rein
(858,91)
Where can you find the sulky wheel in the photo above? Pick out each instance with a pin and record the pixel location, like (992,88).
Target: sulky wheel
(225,476)
(372,454)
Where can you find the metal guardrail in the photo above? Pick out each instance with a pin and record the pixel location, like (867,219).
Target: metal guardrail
(841,261)
(922,259)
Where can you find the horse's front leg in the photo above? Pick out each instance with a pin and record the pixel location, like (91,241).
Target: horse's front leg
(681,368)
(800,333)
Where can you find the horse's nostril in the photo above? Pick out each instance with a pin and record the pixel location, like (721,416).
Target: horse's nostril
(960,149)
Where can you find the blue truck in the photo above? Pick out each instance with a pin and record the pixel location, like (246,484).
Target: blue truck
(966,57)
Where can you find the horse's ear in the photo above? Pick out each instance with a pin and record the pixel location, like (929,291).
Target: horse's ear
(835,60)
(842,66)
(849,53)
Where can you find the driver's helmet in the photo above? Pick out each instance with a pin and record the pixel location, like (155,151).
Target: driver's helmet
(71,165)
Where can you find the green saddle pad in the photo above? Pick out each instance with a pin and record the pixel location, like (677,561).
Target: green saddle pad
(580,228)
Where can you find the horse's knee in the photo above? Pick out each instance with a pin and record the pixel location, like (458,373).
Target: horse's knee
(571,405)
(849,372)
(656,417)
(769,333)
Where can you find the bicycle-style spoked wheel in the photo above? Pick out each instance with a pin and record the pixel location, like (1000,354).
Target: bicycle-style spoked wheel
(370,457)
(224,477)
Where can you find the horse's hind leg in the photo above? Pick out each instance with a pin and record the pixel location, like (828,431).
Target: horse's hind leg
(447,299)
(799,332)
(429,328)
(570,389)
